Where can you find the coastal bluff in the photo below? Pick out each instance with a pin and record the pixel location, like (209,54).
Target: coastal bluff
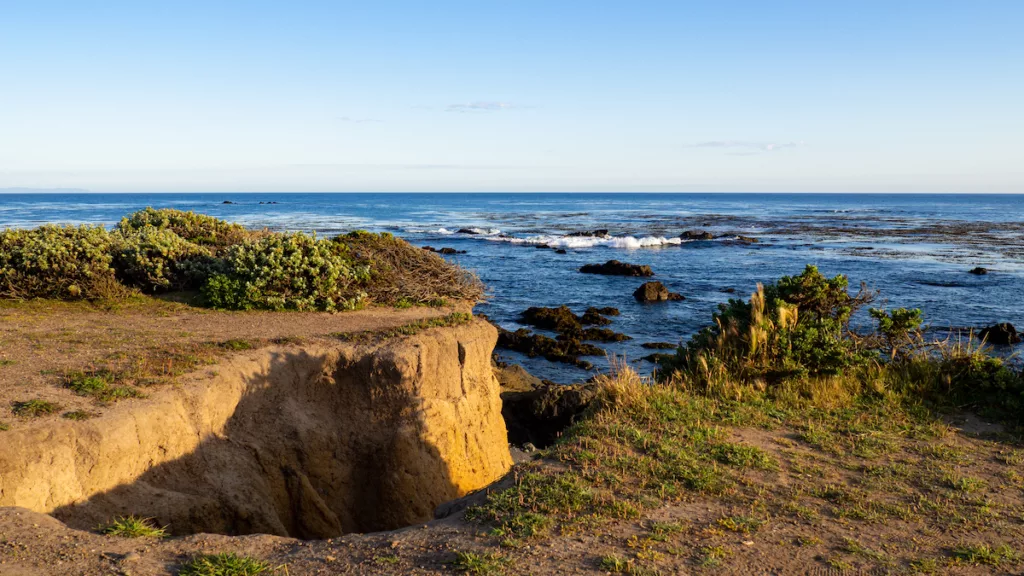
(309,439)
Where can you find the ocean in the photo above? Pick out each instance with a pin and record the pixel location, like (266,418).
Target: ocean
(916,250)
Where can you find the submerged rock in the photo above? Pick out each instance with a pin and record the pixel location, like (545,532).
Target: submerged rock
(467,231)
(567,351)
(978,271)
(659,345)
(617,268)
(1002,334)
(561,251)
(443,250)
(697,235)
(606,311)
(655,292)
(599,233)
(746,239)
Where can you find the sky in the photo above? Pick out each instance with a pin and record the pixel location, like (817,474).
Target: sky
(818,96)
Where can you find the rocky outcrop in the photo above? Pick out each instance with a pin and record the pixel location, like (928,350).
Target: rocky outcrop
(563,350)
(978,271)
(536,412)
(655,292)
(616,268)
(1002,334)
(311,440)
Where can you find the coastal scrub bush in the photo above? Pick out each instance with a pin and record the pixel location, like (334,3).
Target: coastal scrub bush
(287,272)
(157,259)
(34,408)
(796,327)
(62,262)
(401,274)
(196,228)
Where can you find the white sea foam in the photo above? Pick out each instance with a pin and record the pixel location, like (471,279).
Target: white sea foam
(625,242)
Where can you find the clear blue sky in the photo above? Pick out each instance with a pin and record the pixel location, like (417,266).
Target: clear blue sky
(547,95)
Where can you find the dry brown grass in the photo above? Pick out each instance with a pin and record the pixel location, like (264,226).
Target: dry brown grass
(404,275)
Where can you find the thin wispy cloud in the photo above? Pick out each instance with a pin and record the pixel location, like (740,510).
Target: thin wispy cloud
(480,107)
(747,147)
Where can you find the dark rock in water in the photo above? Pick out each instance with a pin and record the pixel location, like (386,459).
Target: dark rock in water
(443,250)
(1002,334)
(979,271)
(746,239)
(655,292)
(596,335)
(606,311)
(600,233)
(616,268)
(542,246)
(227,202)
(561,251)
(594,317)
(539,415)
(659,345)
(559,319)
(467,231)
(658,358)
(533,345)
(697,235)
(729,290)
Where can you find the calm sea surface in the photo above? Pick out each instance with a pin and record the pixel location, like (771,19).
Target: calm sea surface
(915,249)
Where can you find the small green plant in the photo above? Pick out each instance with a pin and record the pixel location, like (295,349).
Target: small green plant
(225,564)
(484,563)
(238,345)
(78,415)
(133,527)
(34,408)
(742,524)
(983,554)
(743,456)
(7,362)
(613,563)
(4,427)
(386,559)
(99,385)
(712,555)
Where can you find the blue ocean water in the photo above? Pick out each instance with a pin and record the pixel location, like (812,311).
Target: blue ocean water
(915,249)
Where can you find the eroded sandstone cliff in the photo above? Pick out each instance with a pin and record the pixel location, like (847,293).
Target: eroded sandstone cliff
(311,441)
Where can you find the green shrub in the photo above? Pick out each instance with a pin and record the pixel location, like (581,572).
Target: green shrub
(34,408)
(63,262)
(196,228)
(795,327)
(287,272)
(157,259)
(133,527)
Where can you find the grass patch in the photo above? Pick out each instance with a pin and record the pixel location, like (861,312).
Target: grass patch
(237,345)
(411,329)
(133,527)
(479,563)
(79,415)
(34,408)
(100,386)
(226,564)
(985,555)
(6,362)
